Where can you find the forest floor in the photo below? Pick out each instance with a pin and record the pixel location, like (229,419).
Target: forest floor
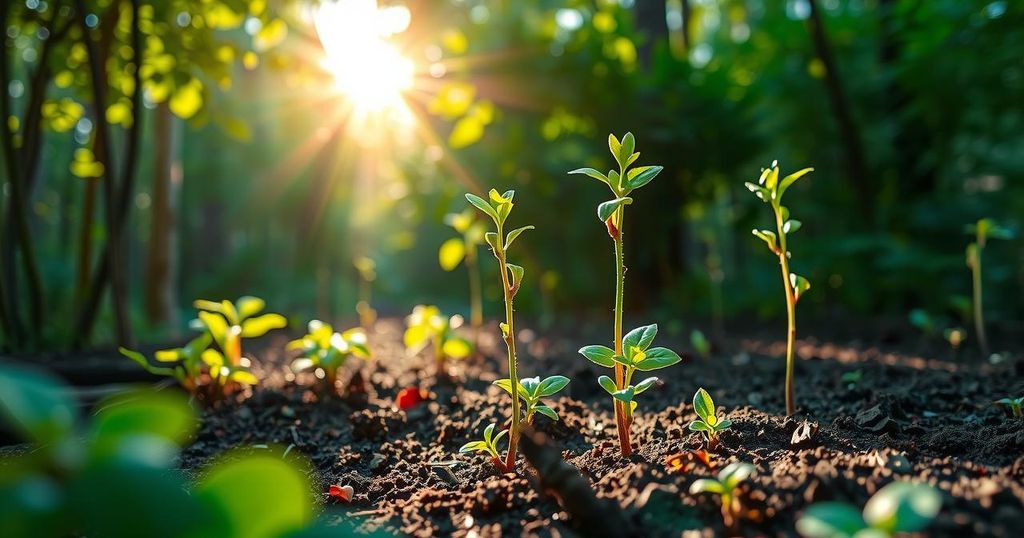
(906,418)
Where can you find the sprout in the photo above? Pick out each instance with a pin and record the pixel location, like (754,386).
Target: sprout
(708,420)
(228,323)
(729,478)
(531,390)
(897,508)
(982,231)
(489,444)
(426,325)
(323,348)
(1014,404)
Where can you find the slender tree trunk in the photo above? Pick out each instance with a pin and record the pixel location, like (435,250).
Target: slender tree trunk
(856,167)
(163,238)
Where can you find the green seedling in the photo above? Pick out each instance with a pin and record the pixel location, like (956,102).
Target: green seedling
(955,336)
(700,344)
(199,369)
(323,348)
(729,478)
(899,507)
(708,420)
(982,231)
(488,445)
(531,390)
(850,379)
(923,321)
(1014,404)
(622,183)
(497,207)
(770,191)
(457,249)
(367,269)
(426,325)
(228,323)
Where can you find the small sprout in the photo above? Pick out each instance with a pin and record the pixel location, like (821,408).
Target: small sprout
(426,325)
(899,507)
(700,344)
(489,444)
(983,230)
(955,336)
(455,250)
(228,323)
(328,350)
(850,379)
(1013,403)
(769,189)
(531,390)
(729,478)
(184,363)
(708,420)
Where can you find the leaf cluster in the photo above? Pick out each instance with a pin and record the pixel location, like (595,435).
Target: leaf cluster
(1014,404)
(707,420)
(531,390)
(497,207)
(322,347)
(625,180)
(426,324)
(769,189)
(488,444)
(455,249)
(898,507)
(638,356)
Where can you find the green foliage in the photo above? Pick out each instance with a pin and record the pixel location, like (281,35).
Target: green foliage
(117,474)
(639,356)
(896,508)
(427,325)
(228,323)
(1013,404)
(729,478)
(708,420)
(982,231)
(324,348)
(700,343)
(531,390)
(488,444)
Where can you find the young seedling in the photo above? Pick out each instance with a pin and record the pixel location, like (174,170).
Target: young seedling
(426,325)
(456,249)
(489,444)
(228,323)
(729,478)
(531,390)
(1014,404)
(184,364)
(708,420)
(700,344)
(982,231)
(612,213)
(770,190)
(497,207)
(328,350)
(367,269)
(899,507)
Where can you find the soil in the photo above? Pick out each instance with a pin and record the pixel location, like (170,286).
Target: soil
(907,417)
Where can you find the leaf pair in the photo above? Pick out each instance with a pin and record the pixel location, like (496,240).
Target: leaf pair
(638,356)
(324,348)
(769,189)
(532,389)
(623,181)
(498,206)
(899,507)
(489,444)
(707,420)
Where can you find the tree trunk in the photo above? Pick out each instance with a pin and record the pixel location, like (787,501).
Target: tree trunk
(159,293)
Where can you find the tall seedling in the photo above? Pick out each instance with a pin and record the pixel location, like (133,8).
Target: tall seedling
(983,230)
(770,190)
(498,208)
(631,352)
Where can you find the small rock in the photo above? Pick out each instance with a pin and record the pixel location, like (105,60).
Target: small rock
(899,463)
(803,436)
(875,420)
(376,462)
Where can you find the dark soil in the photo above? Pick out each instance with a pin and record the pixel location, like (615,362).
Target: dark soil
(907,418)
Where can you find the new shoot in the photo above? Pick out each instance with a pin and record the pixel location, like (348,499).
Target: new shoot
(729,479)
(982,231)
(1014,404)
(900,507)
(708,420)
(228,323)
(326,351)
(770,191)
(427,325)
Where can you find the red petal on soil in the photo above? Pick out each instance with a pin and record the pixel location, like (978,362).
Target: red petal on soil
(342,493)
(410,397)
(685,462)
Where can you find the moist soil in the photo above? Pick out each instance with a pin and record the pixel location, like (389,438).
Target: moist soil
(867,415)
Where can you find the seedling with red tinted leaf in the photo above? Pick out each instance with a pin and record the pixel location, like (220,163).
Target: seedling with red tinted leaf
(770,190)
(982,231)
(729,479)
(531,390)
(612,213)
(708,420)
(1014,404)
(328,350)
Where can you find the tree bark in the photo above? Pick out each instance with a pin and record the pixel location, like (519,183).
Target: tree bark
(159,294)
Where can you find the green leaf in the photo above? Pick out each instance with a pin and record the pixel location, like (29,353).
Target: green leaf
(734,473)
(552,385)
(547,411)
(473,446)
(790,179)
(482,205)
(791,226)
(260,325)
(725,424)
(903,507)
(243,377)
(800,285)
(592,173)
(657,358)
(456,348)
(614,146)
(625,395)
(212,306)
(249,306)
(488,433)
(761,192)
(451,253)
(261,496)
(642,175)
(517,274)
(641,337)
(163,414)
(626,150)
(492,239)
(768,237)
(599,355)
(607,384)
(646,384)
(217,325)
(37,404)
(605,210)
(514,234)
(700,426)
(704,406)
(706,485)
(830,520)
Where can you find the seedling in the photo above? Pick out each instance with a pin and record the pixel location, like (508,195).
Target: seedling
(899,507)
(955,336)
(983,230)
(456,249)
(850,379)
(770,190)
(700,344)
(708,420)
(729,478)
(489,444)
(199,369)
(612,213)
(1013,403)
(426,325)
(923,321)
(328,350)
(531,390)
(367,269)
(497,207)
(228,323)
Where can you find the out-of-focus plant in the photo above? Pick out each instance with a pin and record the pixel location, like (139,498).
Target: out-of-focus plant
(708,420)
(117,475)
(228,323)
(899,507)
(770,190)
(923,321)
(367,270)
(456,249)
(200,369)
(497,207)
(1013,404)
(955,336)
(983,230)
(700,344)
(323,348)
(426,325)
(531,390)
(729,478)
(612,213)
